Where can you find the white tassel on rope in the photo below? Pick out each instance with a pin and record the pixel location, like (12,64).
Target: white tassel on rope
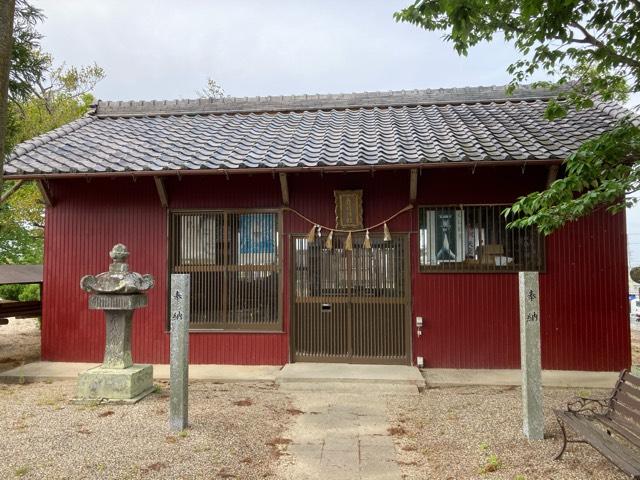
(329,243)
(311,237)
(348,244)
(387,234)
(367,241)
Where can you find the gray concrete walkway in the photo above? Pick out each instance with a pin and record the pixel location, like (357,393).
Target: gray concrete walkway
(340,436)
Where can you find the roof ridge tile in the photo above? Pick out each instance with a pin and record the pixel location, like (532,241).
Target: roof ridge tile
(307,102)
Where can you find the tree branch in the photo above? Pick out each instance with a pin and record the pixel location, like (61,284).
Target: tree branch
(599,44)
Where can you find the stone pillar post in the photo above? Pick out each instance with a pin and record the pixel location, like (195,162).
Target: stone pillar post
(117,350)
(179,353)
(530,363)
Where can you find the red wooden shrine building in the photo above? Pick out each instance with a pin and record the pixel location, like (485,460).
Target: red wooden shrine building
(350,228)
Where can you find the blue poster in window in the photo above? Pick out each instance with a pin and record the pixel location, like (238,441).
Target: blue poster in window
(257,233)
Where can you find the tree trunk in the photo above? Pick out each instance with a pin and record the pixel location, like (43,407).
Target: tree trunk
(7,9)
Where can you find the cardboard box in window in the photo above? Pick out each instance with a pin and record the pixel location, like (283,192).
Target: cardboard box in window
(488,253)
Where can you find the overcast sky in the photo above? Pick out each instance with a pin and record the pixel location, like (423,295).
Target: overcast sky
(163,49)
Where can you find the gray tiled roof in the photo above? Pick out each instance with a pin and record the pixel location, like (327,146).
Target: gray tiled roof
(423,126)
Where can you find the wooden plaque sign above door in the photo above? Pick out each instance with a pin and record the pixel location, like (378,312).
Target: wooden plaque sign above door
(348,209)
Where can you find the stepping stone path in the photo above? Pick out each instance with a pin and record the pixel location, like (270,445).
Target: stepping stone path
(340,436)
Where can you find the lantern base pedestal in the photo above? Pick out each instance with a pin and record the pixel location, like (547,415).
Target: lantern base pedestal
(115,385)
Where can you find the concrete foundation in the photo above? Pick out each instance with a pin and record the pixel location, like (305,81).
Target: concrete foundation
(132,383)
(435,377)
(449,377)
(54,371)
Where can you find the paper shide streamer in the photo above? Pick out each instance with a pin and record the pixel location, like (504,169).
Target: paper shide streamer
(316,230)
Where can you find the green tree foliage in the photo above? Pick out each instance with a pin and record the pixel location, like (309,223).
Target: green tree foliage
(43,97)
(64,97)
(22,293)
(588,50)
(28,63)
(22,216)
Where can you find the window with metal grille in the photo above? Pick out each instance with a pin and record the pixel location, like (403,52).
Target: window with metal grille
(476,239)
(234,261)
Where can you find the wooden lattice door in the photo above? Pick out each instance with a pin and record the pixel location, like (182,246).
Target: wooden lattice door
(351,305)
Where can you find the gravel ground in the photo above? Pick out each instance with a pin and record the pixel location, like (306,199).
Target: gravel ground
(238,431)
(19,342)
(476,432)
(235,432)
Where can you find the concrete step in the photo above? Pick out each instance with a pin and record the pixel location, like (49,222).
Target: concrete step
(370,389)
(319,373)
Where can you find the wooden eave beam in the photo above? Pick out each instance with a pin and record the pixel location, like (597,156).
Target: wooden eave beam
(270,170)
(413,185)
(284,188)
(552,175)
(14,188)
(45,193)
(162,192)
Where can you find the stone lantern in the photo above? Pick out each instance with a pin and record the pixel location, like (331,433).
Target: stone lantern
(118,292)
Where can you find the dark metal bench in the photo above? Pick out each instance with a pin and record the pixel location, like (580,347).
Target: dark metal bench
(611,425)
(19,309)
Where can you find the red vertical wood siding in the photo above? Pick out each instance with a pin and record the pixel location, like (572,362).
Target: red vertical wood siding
(87,221)
(89,218)
(584,296)
(471,320)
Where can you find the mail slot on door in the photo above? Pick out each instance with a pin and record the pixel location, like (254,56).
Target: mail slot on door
(325,308)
